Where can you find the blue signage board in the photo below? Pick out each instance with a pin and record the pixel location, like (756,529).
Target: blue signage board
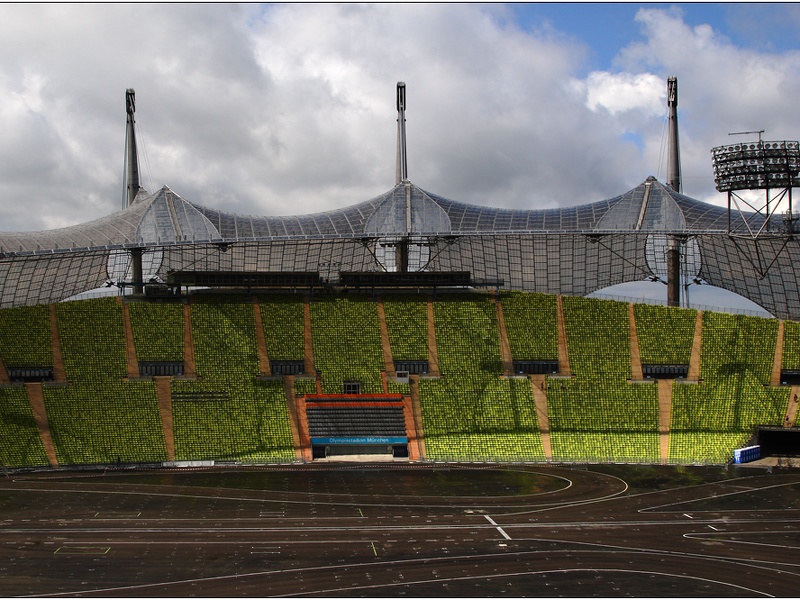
(329,441)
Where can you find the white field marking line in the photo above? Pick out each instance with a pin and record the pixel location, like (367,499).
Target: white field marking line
(84,550)
(523,573)
(203,543)
(433,559)
(500,529)
(384,528)
(243,499)
(288,529)
(617,524)
(573,503)
(714,496)
(766,565)
(701,535)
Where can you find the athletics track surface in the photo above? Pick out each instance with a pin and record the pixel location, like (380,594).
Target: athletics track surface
(401,529)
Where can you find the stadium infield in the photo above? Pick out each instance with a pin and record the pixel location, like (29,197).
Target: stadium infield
(402,529)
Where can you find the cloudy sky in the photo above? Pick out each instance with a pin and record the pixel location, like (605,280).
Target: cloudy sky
(290,108)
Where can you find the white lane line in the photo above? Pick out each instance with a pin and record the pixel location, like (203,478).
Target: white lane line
(688,516)
(500,529)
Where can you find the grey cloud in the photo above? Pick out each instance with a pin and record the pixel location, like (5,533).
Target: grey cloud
(289,108)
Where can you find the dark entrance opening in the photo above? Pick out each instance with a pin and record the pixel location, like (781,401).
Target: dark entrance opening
(779,441)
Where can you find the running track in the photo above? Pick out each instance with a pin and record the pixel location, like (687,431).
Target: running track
(396,530)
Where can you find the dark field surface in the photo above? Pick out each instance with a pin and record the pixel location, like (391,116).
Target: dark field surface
(348,530)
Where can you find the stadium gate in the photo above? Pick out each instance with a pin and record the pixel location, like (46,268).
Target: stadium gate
(357,424)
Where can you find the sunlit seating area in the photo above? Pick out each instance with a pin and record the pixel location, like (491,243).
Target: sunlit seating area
(31,324)
(407,325)
(238,419)
(282,321)
(713,418)
(347,343)
(157,330)
(471,412)
(665,334)
(531,323)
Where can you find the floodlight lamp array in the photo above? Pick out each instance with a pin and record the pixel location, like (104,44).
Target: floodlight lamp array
(756,165)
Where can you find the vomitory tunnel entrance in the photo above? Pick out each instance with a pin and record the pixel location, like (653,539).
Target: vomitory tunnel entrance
(779,441)
(358,425)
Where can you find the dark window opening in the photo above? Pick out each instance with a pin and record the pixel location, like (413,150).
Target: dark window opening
(536,367)
(790,377)
(287,367)
(412,367)
(30,374)
(161,368)
(665,371)
(352,387)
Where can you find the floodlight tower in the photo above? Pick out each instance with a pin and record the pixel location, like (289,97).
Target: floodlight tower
(132,184)
(771,169)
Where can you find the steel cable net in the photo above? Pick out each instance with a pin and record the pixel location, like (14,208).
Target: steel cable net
(574,250)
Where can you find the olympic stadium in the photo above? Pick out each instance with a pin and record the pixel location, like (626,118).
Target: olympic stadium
(408,338)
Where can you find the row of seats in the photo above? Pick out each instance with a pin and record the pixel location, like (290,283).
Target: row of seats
(31,324)
(627,447)
(407,324)
(597,337)
(791,345)
(469,412)
(347,343)
(483,447)
(733,344)
(284,326)
(20,443)
(224,334)
(118,421)
(251,425)
(531,324)
(331,422)
(157,330)
(92,337)
(665,334)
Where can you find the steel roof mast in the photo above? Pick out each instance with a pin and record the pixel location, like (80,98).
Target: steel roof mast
(674,181)
(131,154)
(674,160)
(402,162)
(401,258)
(132,185)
